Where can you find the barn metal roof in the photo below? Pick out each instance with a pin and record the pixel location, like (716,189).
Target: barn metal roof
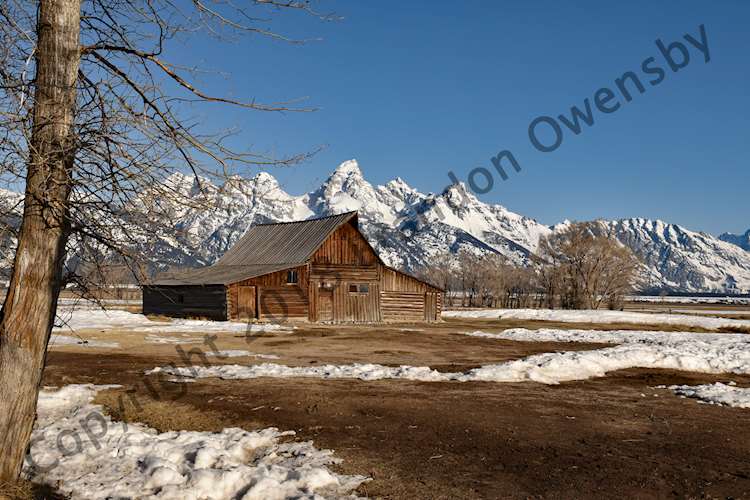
(284,242)
(265,248)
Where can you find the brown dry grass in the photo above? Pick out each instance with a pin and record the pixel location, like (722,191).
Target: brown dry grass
(21,490)
(163,416)
(735,329)
(26,490)
(158,317)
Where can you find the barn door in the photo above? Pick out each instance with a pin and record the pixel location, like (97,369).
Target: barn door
(430,306)
(325,305)
(246,302)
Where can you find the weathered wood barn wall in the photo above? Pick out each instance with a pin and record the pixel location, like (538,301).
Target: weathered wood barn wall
(320,270)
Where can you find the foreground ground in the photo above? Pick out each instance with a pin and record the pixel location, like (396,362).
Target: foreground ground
(611,437)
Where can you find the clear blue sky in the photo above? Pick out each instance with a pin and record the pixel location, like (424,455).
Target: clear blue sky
(418,88)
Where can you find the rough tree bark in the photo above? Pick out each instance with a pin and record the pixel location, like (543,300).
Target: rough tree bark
(29,309)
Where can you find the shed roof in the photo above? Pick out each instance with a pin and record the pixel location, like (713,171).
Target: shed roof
(265,248)
(217,275)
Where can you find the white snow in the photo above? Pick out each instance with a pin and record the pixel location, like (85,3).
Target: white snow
(687,351)
(553,368)
(81,452)
(718,393)
(695,352)
(61,340)
(599,316)
(366,371)
(160,339)
(609,336)
(71,320)
(238,353)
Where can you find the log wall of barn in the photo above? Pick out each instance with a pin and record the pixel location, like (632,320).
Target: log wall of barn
(402,306)
(277,300)
(186,301)
(404,298)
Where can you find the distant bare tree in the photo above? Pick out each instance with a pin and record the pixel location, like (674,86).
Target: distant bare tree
(493,279)
(523,286)
(441,272)
(585,268)
(470,277)
(92,115)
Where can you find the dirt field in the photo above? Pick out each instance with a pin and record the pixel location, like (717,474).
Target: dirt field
(612,437)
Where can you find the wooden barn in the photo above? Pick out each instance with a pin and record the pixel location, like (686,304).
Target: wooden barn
(319,270)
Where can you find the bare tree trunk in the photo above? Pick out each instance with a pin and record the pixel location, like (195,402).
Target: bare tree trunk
(29,309)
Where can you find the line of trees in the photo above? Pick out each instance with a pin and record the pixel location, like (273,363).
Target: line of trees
(579,267)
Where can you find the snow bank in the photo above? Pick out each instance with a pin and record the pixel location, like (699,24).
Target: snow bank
(116,319)
(366,371)
(553,368)
(86,455)
(695,352)
(600,316)
(686,351)
(718,393)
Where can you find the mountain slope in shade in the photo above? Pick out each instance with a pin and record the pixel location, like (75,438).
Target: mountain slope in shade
(741,240)
(408,228)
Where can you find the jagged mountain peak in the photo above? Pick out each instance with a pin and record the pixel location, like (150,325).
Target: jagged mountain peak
(265,179)
(398,185)
(348,168)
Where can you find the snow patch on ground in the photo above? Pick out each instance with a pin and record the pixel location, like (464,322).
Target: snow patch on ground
(600,316)
(718,394)
(609,336)
(158,339)
(694,352)
(686,351)
(362,371)
(113,460)
(71,320)
(237,353)
(61,340)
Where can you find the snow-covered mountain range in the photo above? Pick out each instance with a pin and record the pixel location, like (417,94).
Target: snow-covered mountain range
(408,228)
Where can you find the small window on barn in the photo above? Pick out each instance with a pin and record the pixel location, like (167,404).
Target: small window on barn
(291,277)
(180,299)
(361,288)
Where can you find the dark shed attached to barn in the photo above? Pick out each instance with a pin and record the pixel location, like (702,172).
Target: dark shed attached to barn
(319,270)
